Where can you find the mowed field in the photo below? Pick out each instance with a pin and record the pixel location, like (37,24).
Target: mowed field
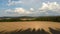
(11,26)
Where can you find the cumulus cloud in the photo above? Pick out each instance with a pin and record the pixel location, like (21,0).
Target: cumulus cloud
(50,6)
(31,9)
(22,11)
(18,11)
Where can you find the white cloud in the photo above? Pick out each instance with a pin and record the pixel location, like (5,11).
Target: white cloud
(50,6)
(22,11)
(31,9)
(14,2)
(19,10)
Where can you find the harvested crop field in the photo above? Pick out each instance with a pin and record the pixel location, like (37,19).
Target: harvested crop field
(11,26)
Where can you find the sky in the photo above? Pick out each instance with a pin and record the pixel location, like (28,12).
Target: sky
(29,8)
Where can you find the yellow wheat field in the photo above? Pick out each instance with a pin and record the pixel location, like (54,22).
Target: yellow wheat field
(11,26)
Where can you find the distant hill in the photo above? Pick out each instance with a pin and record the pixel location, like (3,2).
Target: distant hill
(29,18)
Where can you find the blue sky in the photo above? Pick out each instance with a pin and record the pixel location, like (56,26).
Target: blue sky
(29,8)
